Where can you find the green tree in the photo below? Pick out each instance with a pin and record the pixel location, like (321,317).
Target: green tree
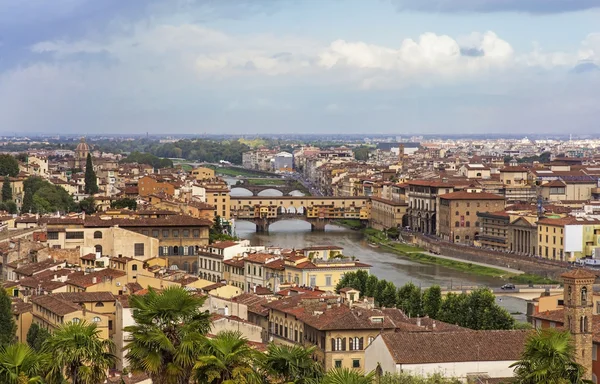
(21,364)
(124,203)
(347,376)
(361,153)
(36,336)
(227,358)
(482,312)
(381,286)
(88,205)
(409,299)
(405,378)
(6,190)
(432,301)
(168,335)
(389,297)
(9,206)
(549,358)
(371,286)
(43,197)
(8,327)
(9,166)
(91,182)
(78,353)
(292,364)
(453,308)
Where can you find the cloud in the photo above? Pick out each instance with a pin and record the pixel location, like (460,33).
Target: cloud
(487,6)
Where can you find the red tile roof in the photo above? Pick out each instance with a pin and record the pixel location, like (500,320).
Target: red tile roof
(462,195)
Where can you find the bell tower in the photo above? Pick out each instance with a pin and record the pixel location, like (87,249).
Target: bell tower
(578,305)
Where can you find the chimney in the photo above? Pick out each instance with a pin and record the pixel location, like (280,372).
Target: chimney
(433,325)
(94,280)
(226,312)
(254,289)
(418,321)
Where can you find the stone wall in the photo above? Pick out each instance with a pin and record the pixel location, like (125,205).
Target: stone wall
(528,264)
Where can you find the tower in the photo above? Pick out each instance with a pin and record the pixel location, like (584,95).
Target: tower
(578,306)
(81,153)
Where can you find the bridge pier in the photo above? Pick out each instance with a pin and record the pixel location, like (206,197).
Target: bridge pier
(318,225)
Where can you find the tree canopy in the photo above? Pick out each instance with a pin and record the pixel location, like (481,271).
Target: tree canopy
(475,310)
(148,158)
(42,196)
(9,166)
(8,327)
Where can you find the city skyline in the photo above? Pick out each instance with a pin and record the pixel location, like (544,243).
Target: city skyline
(389,67)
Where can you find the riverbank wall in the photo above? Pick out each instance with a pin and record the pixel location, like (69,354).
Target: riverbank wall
(527,264)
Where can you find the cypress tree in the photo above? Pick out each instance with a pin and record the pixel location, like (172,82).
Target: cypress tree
(91,184)
(6,190)
(8,328)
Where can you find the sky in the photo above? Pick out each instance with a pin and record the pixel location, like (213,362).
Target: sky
(399,67)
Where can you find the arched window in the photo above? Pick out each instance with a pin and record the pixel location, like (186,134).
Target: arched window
(191,250)
(583,324)
(76,320)
(468,224)
(457,224)
(370,340)
(583,295)
(338,344)
(468,213)
(98,249)
(97,235)
(176,250)
(96,319)
(134,267)
(99,304)
(456,213)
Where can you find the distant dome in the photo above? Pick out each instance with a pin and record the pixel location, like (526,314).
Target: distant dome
(82,146)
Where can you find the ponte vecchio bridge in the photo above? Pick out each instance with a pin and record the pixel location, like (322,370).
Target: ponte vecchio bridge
(318,211)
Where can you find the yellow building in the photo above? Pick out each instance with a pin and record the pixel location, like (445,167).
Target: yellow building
(551,237)
(387,213)
(318,273)
(23,314)
(338,329)
(203,173)
(50,312)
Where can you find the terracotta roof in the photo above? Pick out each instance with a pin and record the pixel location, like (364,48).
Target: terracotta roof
(514,169)
(213,286)
(223,244)
(449,347)
(430,183)
(578,274)
(55,304)
(19,306)
(166,221)
(559,222)
(278,264)
(462,195)
(33,268)
(88,280)
(323,247)
(554,183)
(260,258)
(85,297)
(253,302)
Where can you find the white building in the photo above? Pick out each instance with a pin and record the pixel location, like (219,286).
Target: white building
(462,355)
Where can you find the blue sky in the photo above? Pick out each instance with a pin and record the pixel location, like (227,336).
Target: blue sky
(313,66)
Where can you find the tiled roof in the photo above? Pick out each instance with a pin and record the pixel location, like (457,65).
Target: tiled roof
(449,347)
(19,306)
(55,304)
(579,274)
(33,268)
(462,195)
(323,247)
(167,221)
(223,244)
(253,302)
(88,280)
(85,297)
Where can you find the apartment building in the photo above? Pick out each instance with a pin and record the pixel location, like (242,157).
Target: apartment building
(457,214)
(422,203)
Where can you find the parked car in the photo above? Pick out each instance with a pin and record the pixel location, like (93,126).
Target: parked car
(508,286)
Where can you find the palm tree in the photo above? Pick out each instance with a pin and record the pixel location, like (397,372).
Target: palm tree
(168,335)
(77,351)
(21,364)
(347,376)
(292,364)
(549,357)
(227,358)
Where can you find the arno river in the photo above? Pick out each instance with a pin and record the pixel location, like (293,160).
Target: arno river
(385,265)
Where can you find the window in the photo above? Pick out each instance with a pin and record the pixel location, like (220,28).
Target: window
(134,267)
(74,235)
(370,340)
(196,233)
(97,235)
(96,319)
(99,304)
(76,320)
(145,232)
(468,213)
(355,363)
(456,213)
(98,249)
(338,363)
(468,224)
(594,352)
(165,233)
(175,233)
(583,296)
(155,233)
(457,224)
(313,281)
(52,235)
(138,249)
(186,233)
(327,280)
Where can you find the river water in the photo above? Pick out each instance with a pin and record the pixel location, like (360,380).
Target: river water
(385,265)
